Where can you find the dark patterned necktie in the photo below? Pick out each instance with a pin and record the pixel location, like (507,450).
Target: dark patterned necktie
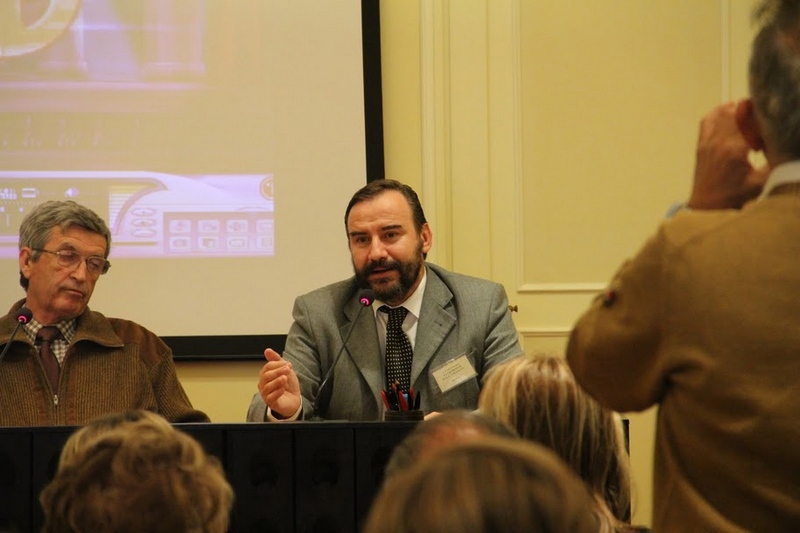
(398,349)
(45,336)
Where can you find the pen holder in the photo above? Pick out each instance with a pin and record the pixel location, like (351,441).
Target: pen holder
(390,416)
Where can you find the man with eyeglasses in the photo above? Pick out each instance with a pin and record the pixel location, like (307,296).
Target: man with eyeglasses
(69,364)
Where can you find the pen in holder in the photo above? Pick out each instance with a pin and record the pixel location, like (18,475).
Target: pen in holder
(401,405)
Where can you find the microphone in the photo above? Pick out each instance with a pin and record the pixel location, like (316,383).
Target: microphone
(365,298)
(24,316)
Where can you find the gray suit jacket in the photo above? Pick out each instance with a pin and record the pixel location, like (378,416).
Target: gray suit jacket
(459,315)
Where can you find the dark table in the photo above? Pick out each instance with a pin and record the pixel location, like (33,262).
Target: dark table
(301,476)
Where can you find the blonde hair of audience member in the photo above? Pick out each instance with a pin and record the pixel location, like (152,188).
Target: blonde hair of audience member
(539,397)
(485,485)
(98,426)
(134,472)
(443,430)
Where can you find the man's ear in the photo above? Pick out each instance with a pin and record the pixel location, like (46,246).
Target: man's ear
(426,236)
(748,124)
(25,260)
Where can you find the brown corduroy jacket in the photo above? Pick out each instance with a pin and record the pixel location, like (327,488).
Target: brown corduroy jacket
(111,365)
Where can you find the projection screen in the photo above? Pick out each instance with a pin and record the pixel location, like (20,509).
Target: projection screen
(220,140)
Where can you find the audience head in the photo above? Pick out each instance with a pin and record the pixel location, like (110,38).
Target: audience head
(443,430)
(775,76)
(134,472)
(98,426)
(539,397)
(485,485)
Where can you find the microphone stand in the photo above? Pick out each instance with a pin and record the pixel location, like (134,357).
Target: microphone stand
(365,298)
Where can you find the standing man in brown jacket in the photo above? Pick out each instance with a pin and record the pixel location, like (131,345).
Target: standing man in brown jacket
(705,320)
(87,365)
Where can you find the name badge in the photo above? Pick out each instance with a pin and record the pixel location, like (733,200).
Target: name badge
(453,373)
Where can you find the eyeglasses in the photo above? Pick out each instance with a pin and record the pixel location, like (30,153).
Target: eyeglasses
(95,265)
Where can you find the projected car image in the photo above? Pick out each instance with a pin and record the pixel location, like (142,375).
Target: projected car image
(153,214)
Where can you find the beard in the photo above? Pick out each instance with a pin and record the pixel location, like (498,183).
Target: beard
(390,291)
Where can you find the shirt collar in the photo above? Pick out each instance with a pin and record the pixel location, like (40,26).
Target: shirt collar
(66,327)
(780,175)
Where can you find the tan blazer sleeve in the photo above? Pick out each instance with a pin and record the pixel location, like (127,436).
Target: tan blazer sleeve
(615,347)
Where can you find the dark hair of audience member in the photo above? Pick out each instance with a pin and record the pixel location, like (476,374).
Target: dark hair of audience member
(488,484)
(134,472)
(442,430)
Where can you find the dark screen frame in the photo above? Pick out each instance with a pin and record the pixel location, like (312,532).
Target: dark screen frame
(251,347)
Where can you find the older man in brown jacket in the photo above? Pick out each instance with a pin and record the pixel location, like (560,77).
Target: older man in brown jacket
(87,365)
(705,320)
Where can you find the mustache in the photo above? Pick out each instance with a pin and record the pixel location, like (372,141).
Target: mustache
(383,264)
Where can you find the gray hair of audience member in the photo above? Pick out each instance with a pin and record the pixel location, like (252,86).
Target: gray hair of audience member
(775,74)
(34,232)
(539,397)
(442,430)
(135,472)
(485,485)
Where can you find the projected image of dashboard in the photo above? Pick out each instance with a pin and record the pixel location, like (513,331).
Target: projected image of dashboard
(153,214)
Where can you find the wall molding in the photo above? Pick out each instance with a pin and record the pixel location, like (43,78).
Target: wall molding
(725,59)
(435,124)
(539,333)
(561,288)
